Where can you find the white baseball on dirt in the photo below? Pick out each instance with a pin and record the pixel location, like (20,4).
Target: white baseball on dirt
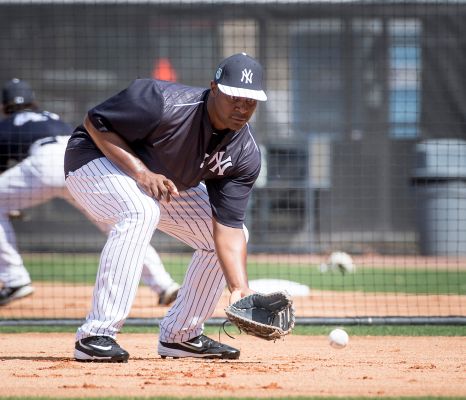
(338,338)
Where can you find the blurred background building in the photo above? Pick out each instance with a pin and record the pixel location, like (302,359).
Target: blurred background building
(353,88)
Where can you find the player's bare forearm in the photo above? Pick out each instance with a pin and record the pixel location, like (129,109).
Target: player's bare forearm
(118,151)
(230,244)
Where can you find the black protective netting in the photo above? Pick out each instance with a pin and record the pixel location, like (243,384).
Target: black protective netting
(363,144)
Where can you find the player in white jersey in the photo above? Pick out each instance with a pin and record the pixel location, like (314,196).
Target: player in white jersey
(32,140)
(161,155)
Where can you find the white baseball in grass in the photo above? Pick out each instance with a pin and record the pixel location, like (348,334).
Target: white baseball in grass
(338,338)
(339,260)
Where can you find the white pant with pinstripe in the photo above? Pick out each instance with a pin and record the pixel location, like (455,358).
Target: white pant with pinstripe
(36,180)
(111,196)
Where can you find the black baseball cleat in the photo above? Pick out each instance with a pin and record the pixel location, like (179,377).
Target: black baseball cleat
(200,346)
(8,294)
(169,295)
(100,349)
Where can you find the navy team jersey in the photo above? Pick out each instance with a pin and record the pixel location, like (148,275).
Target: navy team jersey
(20,130)
(167,125)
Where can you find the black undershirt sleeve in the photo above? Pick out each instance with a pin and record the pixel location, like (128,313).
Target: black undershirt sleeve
(133,113)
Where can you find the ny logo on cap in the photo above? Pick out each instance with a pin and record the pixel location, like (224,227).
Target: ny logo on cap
(247,76)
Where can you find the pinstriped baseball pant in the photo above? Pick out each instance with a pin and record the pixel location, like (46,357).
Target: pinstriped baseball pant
(36,180)
(111,196)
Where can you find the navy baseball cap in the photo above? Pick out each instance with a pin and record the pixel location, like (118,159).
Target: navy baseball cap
(240,75)
(16,92)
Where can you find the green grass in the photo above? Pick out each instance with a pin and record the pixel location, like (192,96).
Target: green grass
(318,330)
(82,269)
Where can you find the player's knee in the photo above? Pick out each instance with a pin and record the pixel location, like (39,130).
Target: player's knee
(151,213)
(143,213)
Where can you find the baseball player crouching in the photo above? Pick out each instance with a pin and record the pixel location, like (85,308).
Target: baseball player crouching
(32,149)
(162,155)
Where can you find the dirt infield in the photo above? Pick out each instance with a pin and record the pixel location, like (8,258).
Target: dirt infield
(67,300)
(72,301)
(36,364)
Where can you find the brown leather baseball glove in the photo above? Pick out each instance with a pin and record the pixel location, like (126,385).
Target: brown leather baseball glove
(267,316)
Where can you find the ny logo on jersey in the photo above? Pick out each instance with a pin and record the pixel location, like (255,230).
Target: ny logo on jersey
(247,76)
(219,164)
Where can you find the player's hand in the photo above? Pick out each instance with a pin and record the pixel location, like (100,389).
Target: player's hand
(165,189)
(238,294)
(157,186)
